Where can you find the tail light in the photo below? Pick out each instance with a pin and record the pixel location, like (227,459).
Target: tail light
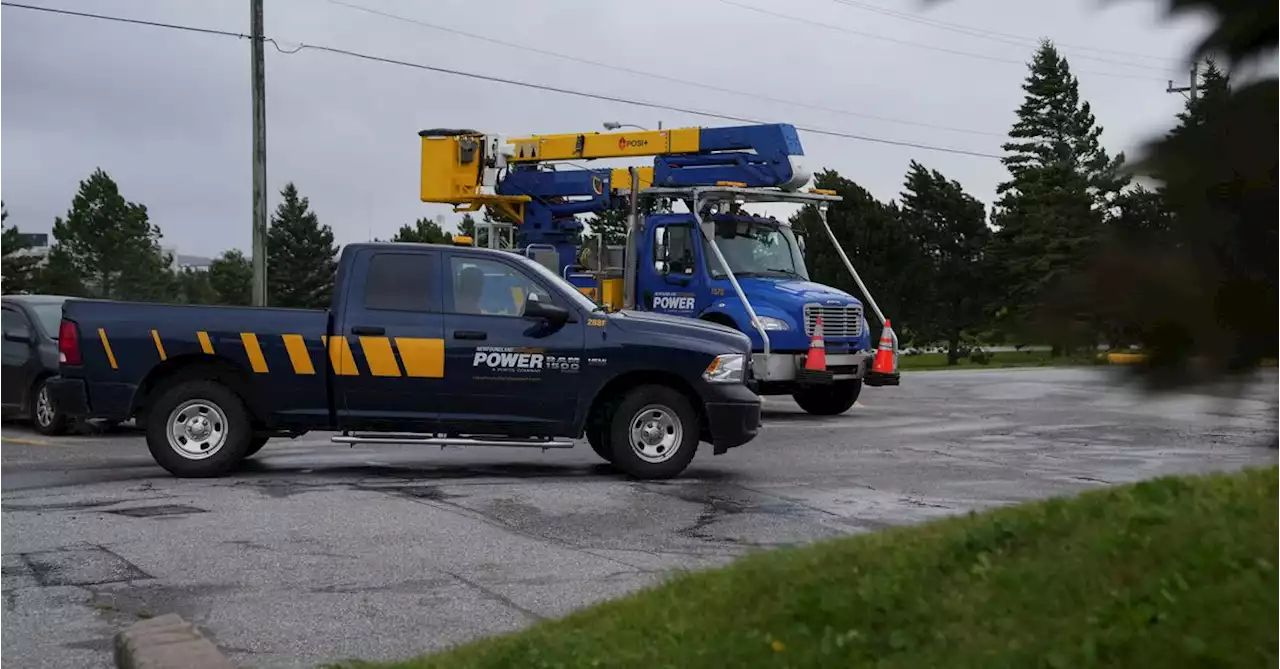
(68,343)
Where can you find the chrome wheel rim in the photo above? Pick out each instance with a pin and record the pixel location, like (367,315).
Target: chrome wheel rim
(656,433)
(44,407)
(197,429)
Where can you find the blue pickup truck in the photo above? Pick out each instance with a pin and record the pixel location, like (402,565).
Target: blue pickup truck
(423,344)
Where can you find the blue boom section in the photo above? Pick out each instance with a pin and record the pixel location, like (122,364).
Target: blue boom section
(759,156)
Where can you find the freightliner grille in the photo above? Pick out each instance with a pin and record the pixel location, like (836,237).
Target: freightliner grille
(841,321)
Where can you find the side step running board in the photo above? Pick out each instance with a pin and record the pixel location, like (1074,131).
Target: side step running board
(432,440)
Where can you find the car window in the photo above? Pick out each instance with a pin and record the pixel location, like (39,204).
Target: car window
(50,316)
(14,322)
(400,282)
(673,250)
(491,288)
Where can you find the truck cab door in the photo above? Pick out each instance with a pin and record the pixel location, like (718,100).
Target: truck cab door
(508,373)
(387,356)
(671,280)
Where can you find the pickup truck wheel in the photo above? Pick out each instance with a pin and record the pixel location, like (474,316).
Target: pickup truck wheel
(598,438)
(653,433)
(829,400)
(198,428)
(44,413)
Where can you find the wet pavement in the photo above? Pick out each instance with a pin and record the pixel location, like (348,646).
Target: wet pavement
(318,552)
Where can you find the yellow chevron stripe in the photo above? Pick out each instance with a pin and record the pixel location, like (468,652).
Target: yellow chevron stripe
(155,336)
(298,354)
(344,364)
(379,356)
(422,358)
(205,344)
(106,346)
(254,351)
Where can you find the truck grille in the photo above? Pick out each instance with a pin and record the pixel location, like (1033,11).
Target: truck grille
(841,321)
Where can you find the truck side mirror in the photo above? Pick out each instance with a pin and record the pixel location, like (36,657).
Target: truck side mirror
(551,313)
(800,242)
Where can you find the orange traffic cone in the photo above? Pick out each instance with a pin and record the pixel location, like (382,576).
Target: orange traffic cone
(815,363)
(884,372)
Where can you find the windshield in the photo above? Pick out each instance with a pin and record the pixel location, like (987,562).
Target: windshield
(50,316)
(756,248)
(571,291)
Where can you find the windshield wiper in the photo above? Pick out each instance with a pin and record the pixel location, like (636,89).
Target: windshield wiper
(788,272)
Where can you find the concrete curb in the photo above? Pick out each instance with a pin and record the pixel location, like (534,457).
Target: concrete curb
(167,642)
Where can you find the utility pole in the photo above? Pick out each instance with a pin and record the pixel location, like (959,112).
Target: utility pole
(256,44)
(1191,89)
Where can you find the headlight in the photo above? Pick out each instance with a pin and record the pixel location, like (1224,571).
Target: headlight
(771,323)
(727,368)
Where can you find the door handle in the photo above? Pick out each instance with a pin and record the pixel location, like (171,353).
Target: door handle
(368,330)
(474,335)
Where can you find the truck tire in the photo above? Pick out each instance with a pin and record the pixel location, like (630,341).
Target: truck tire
(45,416)
(598,438)
(829,400)
(198,429)
(653,432)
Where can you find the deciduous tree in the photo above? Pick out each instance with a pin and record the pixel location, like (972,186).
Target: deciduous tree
(231,278)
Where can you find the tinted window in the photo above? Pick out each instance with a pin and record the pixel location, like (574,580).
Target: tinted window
(50,316)
(14,324)
(400,282)
(491,288)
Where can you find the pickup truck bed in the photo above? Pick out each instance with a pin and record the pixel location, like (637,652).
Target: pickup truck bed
(423,343)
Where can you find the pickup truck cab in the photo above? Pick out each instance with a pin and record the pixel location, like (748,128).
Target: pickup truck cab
(422,344)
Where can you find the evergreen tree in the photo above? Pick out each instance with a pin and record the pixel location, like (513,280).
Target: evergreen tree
(193,287)
(467,226)
(949,228)
(300,255)
(20,271)
(231,278)
(1051,212)
(610,224)
(424,231)
(871,234)
(107,247)
(1211,99)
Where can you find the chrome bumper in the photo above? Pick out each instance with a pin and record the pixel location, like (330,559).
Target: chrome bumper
(785,366)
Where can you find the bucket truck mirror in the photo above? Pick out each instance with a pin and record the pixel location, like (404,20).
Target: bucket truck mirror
(545,311)
(660,251)
(800,242)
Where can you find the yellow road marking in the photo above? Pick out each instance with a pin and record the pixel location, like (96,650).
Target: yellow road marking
(254,351)
(24,442)
(106,346)
(155,336)
(298,354)
(379,356)
(344,364)
(205,344)
(422,358)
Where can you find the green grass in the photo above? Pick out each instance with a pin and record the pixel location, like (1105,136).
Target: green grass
(926,361)
(1173,572)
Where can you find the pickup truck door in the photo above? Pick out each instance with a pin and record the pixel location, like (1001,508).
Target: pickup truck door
(389,371)
(671,279)
(18,352)
(507,374)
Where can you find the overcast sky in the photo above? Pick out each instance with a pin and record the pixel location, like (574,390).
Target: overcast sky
(167,113)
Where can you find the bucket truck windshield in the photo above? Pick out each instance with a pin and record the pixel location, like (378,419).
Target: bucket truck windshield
(756,248)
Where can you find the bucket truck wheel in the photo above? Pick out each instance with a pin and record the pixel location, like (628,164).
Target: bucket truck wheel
(198,428)
(829,400)
(653,432)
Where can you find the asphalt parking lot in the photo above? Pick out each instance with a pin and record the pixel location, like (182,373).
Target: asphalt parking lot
(318,552)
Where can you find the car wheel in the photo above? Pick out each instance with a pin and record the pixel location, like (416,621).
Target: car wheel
(198,429)
(653,432)
(44,413)
(830,400)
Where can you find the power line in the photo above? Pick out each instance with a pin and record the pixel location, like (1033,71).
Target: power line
(525,84)
(119,19)
(1008,38)
(629,101)
(663,77)
(919,45)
